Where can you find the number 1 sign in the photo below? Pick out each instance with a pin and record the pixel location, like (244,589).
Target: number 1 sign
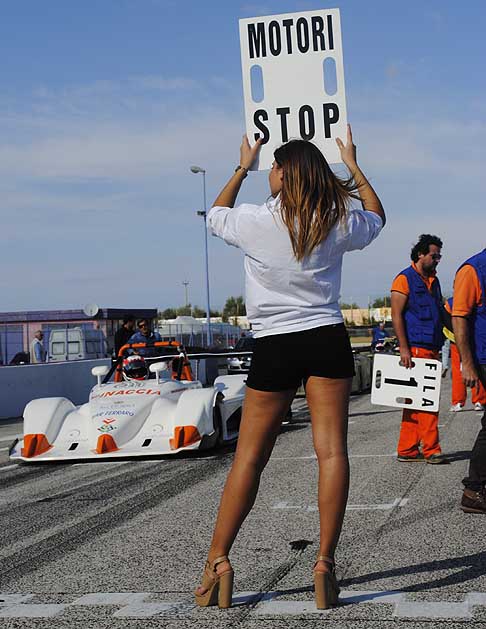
(417,388)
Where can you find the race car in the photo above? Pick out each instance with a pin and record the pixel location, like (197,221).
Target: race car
(151,409)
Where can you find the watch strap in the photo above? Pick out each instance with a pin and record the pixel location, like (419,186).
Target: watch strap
(240,167)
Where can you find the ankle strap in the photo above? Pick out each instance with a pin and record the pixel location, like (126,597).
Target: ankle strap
(326,559)
(218,560)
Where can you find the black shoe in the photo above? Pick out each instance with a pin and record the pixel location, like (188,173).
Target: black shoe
(473,501)
(415,458)
(437,459)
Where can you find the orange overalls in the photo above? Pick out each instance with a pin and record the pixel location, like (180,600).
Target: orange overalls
(417,427)
(459,391)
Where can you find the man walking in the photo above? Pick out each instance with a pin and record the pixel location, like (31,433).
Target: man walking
(469,323)
(37,351)
(416,302)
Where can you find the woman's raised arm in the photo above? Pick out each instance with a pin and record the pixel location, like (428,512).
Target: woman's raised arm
(369,199)
(248,154)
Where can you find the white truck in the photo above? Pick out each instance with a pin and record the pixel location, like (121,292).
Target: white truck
(76,344)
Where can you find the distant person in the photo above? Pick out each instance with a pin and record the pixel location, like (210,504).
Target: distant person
(294,245)
(37,351)
(459,390)
(20,358)
(379,334)
(469,323)
(124,333)
(417,307)
(145,335)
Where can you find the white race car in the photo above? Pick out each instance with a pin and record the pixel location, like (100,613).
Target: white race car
(137,417)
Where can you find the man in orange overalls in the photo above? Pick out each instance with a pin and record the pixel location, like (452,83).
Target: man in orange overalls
(416,302)
(459,391)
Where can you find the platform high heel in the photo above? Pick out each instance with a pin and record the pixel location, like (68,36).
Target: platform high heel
(219,586)
(326,585)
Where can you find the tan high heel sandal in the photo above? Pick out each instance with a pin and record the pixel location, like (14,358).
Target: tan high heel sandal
(219,586)
(326,585)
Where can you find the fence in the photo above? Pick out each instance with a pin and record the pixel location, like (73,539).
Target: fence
(195,335)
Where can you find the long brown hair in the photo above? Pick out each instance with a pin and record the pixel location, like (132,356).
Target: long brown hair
(312,199)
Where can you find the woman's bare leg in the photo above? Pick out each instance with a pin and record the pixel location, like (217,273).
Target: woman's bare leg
(328,401)
(260,424)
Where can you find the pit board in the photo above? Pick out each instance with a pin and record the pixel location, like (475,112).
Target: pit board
(416,389)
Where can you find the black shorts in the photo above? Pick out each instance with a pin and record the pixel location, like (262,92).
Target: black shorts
(285,361)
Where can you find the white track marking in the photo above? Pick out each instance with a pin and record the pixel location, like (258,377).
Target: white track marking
(10,437)
(31,610)
(476,598)
(133,605)
(14,599)
(398,502)
(144,610)
(423,609)
(313,457)
(9,467)
(4,449)
(111,598)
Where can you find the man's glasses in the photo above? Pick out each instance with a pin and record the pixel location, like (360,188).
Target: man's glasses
(436,256)
(143,325)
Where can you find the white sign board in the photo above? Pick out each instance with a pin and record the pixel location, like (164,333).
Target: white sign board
(293,81)
(417,388)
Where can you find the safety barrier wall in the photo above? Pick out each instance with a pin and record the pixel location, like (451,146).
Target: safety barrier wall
(21,383)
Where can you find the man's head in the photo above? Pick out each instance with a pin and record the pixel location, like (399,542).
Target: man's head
(427,253)
(129,321)
(143,327)
(135,368)
(382,325)
(39,335)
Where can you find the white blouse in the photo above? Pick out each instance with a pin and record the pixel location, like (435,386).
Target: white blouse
(282,294)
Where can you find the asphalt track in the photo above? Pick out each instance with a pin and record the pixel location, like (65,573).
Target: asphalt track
(121,544)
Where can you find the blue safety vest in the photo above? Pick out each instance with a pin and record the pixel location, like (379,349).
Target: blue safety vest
(478,316)
(422,314)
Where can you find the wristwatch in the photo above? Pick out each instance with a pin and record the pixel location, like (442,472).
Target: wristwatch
(240,167)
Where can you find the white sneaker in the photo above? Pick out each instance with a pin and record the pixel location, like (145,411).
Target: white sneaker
(455,408)
(479,407)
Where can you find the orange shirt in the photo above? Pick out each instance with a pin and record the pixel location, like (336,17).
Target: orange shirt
(400,283)
(467,292)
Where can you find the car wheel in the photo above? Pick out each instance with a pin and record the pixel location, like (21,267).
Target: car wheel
(213,440)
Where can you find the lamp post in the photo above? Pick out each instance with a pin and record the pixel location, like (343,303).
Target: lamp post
(197,170)
(185,283)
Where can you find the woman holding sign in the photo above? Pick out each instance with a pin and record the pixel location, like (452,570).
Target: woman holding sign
(293,247)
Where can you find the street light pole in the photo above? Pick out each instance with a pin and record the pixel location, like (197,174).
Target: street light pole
(197,170)
(185,283)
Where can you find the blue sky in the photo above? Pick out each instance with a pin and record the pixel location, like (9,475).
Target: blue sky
(104,106)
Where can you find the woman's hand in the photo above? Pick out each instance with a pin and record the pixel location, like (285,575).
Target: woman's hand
(348,151)
(248,154)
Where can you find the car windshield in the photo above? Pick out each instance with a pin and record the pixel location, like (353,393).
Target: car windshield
(245,344)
